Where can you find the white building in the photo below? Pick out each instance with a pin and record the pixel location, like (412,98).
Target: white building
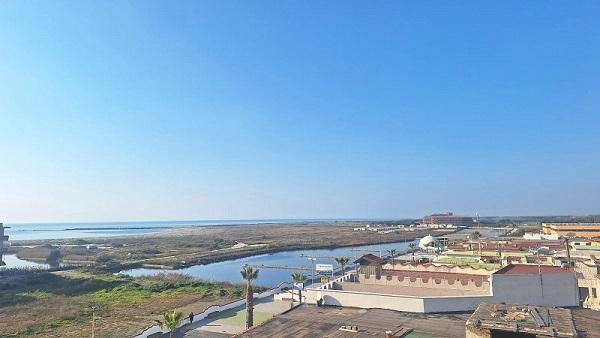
(426,289)
(3,246)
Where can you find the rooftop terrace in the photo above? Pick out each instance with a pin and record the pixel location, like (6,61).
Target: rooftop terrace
(311,321)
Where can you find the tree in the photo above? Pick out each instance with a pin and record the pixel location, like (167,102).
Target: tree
(475,235)
(392,253)
(170,321)
(54,258)
(343,262)
(412,246)
(298,277)
(249,274)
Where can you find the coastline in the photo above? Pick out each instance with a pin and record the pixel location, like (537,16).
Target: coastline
(185,247)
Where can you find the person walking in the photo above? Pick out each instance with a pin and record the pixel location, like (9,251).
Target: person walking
(191,317)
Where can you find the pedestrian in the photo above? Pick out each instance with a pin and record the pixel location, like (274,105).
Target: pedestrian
(191,317)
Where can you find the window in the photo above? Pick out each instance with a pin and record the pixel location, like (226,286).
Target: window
(594,293)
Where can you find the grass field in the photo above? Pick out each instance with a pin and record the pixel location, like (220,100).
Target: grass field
(44,304)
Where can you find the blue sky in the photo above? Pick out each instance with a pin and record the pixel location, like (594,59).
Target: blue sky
(154,110)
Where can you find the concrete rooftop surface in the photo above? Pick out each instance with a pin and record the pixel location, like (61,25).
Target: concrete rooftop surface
(310,321)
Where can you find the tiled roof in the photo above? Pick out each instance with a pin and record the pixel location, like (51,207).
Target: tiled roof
(370,258)
(529,269)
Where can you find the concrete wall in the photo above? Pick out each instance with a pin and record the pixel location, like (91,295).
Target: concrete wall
(454,304)
(365,300)
(394,302)
(547,289)
(474,332)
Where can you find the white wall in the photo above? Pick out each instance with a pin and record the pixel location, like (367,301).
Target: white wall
(365,300)
(395,302)
(547,289)
(454,304)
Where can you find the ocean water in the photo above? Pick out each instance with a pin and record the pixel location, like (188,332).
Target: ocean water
(31,231)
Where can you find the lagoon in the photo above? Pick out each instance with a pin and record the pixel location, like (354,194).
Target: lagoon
(229,271)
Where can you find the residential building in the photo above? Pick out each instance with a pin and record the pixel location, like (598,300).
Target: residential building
(588,279)
(512,320)
(447,218)
(427,288)
(3,245)
(587,230)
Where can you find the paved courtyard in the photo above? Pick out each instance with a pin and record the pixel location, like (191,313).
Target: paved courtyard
(233,321)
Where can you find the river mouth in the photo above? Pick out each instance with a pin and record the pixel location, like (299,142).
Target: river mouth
(294,261)
(14,262)
(229,271)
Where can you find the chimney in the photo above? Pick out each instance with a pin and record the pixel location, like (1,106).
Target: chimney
(388,334)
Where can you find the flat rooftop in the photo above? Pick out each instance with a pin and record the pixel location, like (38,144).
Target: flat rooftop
(410,290)
(535,320)
(587,322)
(310,321)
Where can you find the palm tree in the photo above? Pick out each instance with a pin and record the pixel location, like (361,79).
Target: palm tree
(343,262)
(412,248)
(392,253)
(476,235)
(171,320)
(249,274)
(298,277)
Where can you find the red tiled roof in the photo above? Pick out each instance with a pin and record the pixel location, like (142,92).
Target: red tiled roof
(530,269)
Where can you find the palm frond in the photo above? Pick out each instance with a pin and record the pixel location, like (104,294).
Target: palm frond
(249,274)
(298,277)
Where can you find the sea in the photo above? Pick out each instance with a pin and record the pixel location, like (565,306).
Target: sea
(37,231)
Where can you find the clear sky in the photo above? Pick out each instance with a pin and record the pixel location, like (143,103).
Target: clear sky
(164,110)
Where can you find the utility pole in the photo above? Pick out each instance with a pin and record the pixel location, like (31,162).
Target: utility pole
(93,321)
(312,273)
